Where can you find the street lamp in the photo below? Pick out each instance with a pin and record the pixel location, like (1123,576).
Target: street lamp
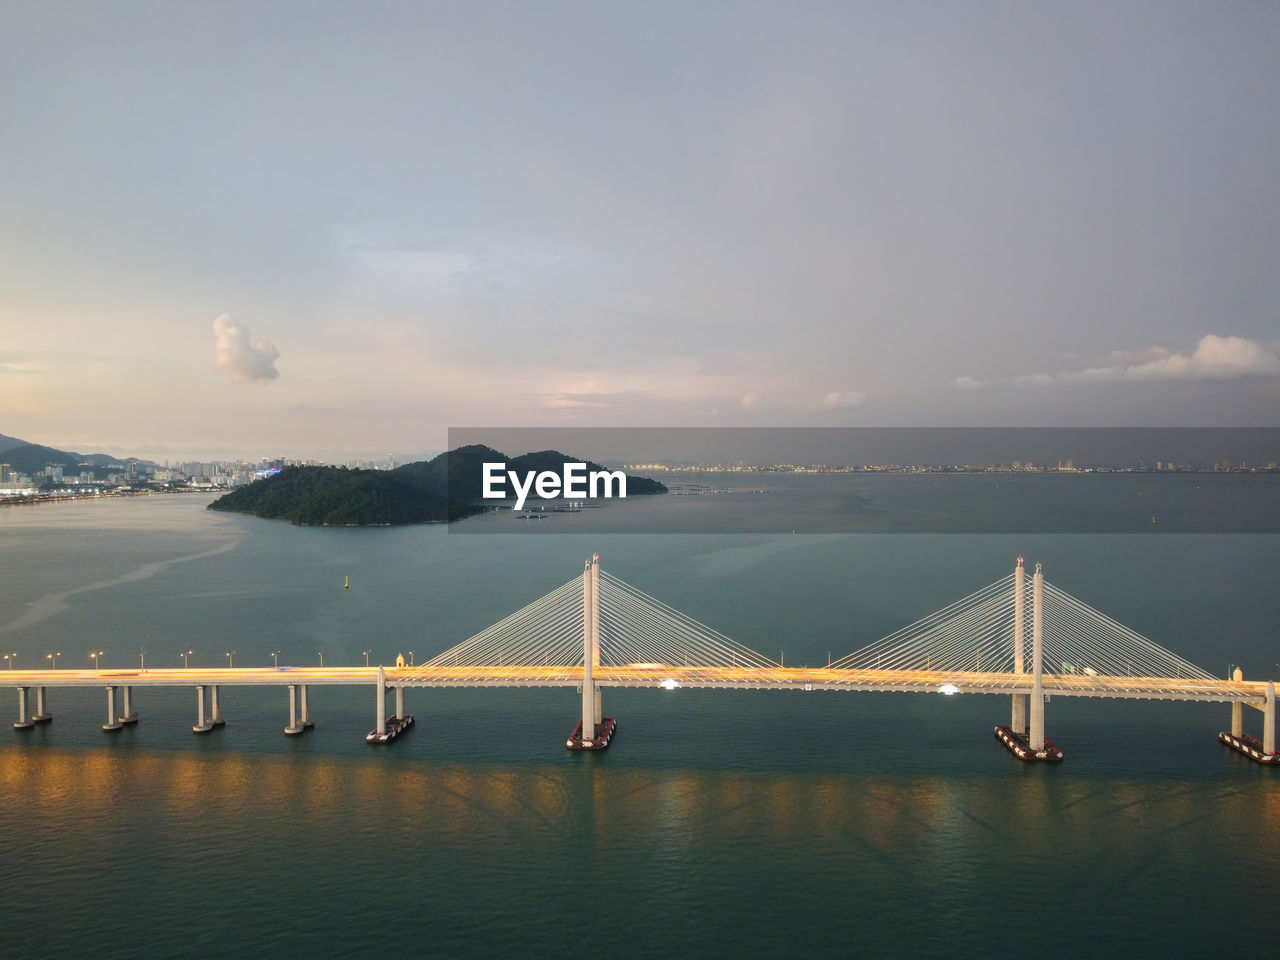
(54,657)
(11,657)
(366,658)
(411,658)
(142,659)
(321,654)
(184,655)
(96,658)
(275,657)
(230,662)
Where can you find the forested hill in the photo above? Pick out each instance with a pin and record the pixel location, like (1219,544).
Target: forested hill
(336,496)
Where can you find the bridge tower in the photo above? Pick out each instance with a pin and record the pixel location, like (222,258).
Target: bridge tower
(1037,660)
(1019,719)
(590,647)
(596,729)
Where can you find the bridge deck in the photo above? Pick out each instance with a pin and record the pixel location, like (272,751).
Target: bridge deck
(653,675)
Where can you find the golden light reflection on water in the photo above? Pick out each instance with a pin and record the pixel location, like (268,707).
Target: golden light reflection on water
(669,808)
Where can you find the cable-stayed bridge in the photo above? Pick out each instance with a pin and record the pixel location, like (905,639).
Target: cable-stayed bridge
(1027,641)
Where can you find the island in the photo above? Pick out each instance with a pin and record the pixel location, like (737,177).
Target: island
(446,488)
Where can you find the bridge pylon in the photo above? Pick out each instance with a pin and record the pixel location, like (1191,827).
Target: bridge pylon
(1026,739)
(595,730)
(1019,716)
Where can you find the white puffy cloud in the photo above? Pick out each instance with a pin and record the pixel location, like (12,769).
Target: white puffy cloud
(244,357)
(1214,358)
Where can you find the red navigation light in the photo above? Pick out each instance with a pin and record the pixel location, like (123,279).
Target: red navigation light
(1019,559)
(595,556)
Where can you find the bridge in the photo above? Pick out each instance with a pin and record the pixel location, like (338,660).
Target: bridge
(595,631)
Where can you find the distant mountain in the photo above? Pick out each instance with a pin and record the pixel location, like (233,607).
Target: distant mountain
(460,473)
(336,496)
(32,458)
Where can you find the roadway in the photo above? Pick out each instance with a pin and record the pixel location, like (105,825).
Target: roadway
(660,675)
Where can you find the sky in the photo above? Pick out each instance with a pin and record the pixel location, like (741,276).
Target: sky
(333,231)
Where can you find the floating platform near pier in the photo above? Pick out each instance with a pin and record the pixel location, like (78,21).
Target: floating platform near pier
(1251,747)
(604,733)
(395,727)
(1020,746)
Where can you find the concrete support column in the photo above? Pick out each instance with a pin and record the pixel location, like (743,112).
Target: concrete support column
(1269,720)
(215,715)
(1037,660)
(41,714)
(293,707)
(1237,708)
(200,707)
(599,713)
(113,722)
(588,653)
(23,720)
(306,711)
(399,701)
(126,713)
(381,697)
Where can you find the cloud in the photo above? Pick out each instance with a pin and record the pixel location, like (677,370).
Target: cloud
(841,400)
(1214,358)
(968,383)
(237,352)
(19,367)
(833,400)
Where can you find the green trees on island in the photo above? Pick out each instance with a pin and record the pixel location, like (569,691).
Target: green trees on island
(340,497)
(442,489)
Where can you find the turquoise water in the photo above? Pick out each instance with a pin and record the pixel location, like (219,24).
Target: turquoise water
(720,822)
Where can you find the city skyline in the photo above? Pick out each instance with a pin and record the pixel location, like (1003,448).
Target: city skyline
(310,231)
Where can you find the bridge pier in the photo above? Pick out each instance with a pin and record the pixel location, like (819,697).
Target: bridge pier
(1264,750)
(112,724)
(41,715)
(297,724)
(381,728)
(1269,721)
(388,728)
(215,714)
(200,726)
(1018,719)
(23,722)
(1237,708)
(127,715)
